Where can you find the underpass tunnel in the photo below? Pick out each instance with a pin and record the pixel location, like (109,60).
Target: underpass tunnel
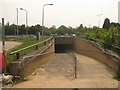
(62,48)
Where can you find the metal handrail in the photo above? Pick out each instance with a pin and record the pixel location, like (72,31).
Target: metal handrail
(75,62)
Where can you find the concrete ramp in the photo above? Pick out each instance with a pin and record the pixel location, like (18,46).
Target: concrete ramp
(58,73)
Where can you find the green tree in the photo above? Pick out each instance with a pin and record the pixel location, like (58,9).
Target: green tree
(62,30)
(106,24)
(10,29)
(53,29)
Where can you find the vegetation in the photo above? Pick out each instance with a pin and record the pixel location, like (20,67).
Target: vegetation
(116,77)
(107,37)
(106,24)
(25,42)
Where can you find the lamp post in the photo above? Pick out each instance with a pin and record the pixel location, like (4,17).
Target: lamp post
(26,19)
(99,20)
(17,32)
(43,17)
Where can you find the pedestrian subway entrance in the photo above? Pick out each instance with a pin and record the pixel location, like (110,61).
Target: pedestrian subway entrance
(62,48)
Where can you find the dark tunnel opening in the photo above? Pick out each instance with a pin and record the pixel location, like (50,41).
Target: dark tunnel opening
(62,48)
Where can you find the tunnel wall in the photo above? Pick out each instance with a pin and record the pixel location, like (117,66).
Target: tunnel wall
(93,50)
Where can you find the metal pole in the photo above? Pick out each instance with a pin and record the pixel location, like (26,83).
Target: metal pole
(17,22)
(42,20)
(26,22)
(75,67)
(3,39)
(26,19)
(99,20)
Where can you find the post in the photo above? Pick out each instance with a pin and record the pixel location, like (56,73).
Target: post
(42,20)
(17,23)
(36,47)
(45,43)
(17,56)
(0,49)
(75,67)
(26,19)
(3,39)
(26,22)
(38,35)
(99,20)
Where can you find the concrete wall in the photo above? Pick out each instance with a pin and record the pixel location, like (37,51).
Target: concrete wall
(80,45)
(24,69)
(64,40)
(90,49)
(93,50)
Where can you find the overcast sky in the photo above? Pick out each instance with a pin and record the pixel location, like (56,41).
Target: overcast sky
(63,12)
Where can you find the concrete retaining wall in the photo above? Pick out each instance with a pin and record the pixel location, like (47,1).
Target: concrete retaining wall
(26,69)
(93,50)
(90,49)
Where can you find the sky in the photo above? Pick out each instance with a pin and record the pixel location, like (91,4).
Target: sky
(63,12)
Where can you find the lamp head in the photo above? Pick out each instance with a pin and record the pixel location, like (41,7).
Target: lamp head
(51,4)
(47,4)
(21,8)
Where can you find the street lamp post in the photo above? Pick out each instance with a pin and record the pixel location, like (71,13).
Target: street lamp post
(99,20)
(17,32)
(43,17)
(26,19)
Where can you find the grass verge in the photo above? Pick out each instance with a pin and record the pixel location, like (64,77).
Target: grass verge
(25,42)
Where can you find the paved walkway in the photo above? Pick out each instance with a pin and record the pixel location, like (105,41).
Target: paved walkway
(9,45)
(59,73)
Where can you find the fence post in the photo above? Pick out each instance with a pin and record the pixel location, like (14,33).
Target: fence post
(36,47)
(45,43)
(48,41)
(17,56)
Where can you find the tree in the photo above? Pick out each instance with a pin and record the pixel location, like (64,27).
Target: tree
(53,29)
(115,24)
(106,24)
(22,29)
(10,29)
(62,30)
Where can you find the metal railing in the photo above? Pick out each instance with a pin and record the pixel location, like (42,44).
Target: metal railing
(75,62)
(34,45)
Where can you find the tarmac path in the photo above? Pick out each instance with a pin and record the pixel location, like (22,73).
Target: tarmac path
(9,45)
(59,73)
